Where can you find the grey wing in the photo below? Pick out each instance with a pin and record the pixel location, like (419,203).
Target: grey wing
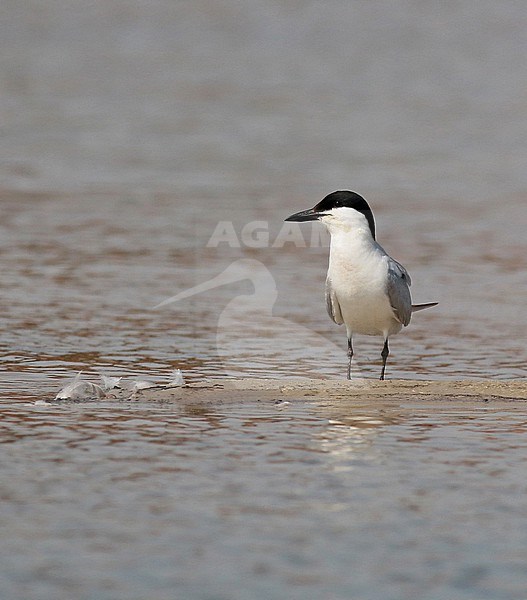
(399,291)
(332,304)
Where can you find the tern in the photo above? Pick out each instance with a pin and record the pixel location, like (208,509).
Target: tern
(366,289)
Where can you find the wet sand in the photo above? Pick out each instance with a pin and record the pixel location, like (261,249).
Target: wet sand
(214,391)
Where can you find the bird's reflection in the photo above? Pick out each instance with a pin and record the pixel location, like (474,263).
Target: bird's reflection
(351,431)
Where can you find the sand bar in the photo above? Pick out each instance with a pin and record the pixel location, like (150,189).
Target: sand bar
(238,390)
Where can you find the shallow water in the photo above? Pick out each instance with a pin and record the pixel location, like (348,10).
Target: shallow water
(130,131)
(161,120)
(263,500)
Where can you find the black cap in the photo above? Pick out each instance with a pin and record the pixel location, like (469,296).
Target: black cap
(342,198)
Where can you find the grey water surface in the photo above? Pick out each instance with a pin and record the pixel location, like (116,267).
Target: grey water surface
(311,499)
(147,147)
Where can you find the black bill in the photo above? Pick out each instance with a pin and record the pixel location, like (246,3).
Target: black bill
(305,215)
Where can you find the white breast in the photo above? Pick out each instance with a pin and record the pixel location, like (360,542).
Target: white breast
(358,270)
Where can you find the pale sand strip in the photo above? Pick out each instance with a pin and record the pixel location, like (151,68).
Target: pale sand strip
(235,390)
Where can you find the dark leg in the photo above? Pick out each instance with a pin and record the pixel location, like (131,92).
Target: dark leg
(350,356)
(384,354)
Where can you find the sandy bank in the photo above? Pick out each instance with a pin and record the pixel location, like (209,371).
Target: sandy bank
(235,390)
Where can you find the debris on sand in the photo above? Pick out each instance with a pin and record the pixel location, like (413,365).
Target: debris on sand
(80,389)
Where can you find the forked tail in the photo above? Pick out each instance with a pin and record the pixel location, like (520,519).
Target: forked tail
(418,307)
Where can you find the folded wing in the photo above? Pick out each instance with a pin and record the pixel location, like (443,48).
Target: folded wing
(398,289)
(332,304)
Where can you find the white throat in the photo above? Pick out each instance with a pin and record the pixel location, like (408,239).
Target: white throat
(346,220)
(350,231)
